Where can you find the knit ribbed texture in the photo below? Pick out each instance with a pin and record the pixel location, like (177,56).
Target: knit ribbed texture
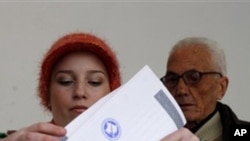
(212,129)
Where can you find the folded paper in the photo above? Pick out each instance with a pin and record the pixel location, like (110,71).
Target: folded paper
(140,110)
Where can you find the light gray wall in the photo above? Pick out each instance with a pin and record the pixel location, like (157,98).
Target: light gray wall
(140,33)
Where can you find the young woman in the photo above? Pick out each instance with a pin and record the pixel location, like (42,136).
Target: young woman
(77,70)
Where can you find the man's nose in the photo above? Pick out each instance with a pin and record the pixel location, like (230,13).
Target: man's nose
(181,88)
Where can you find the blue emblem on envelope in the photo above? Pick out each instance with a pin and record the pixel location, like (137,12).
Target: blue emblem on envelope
(111,129)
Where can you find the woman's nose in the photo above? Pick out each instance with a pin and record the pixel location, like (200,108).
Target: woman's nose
(80,91)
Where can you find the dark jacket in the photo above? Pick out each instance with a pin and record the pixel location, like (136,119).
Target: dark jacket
(229,121)
(2,135)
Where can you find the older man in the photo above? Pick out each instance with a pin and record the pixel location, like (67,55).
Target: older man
(196,77)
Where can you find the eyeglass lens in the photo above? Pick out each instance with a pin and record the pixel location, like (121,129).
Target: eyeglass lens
(190,77)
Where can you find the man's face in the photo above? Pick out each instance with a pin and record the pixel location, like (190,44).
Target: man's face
(196,100)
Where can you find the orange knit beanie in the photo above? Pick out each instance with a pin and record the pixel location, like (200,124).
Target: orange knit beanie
(75,42)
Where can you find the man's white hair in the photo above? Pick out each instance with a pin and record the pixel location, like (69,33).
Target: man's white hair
(217,53)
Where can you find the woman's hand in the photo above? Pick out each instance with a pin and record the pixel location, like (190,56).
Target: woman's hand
(182,134)
(38,132)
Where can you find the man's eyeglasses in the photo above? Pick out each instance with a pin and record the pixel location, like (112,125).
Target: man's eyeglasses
(190,77)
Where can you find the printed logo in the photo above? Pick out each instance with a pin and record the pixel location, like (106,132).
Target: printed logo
(239,132)
(111,129)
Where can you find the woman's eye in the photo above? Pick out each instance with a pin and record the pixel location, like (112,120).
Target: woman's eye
(65,82)
(95,83)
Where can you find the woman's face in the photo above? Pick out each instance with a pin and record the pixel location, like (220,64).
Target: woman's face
(78,81)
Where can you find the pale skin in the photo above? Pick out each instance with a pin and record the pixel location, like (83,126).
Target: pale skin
(197,101)
(77,82)
(182,134)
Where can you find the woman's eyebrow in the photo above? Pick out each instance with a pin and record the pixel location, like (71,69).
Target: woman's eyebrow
(64,71)
(96,71)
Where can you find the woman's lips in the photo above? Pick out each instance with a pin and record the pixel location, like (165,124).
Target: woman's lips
(78,109)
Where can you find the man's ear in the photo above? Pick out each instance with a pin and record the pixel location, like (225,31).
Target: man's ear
(223,87)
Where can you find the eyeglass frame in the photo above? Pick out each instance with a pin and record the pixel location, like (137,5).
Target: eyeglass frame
(182,76)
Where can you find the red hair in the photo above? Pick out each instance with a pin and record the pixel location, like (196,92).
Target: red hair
(76,42)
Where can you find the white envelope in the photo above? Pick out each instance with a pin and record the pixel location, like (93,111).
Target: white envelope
(140,110)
